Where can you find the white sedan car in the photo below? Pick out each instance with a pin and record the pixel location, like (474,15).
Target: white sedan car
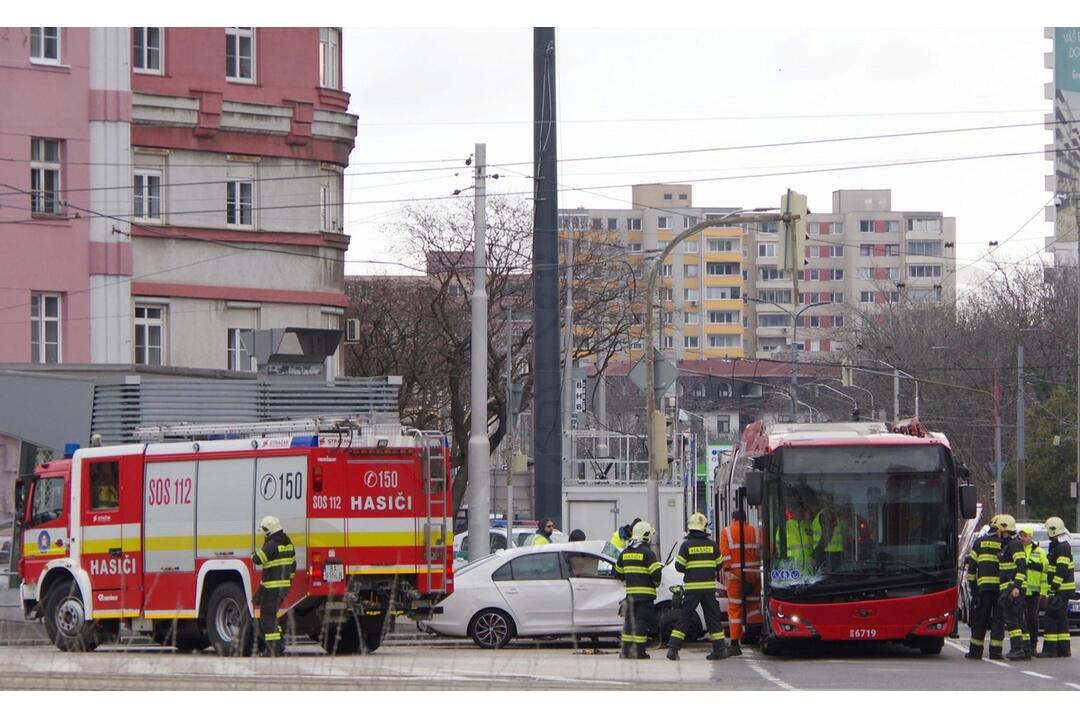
(537,591)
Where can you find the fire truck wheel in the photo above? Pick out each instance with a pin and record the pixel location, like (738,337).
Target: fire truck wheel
(228,624)
(65,619)
(373,632)
(341,638)
(491,629)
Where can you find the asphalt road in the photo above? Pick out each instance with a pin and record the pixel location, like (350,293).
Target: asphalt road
(422,664)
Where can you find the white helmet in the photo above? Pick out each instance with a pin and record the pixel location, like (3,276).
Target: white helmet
(1055,526)
(270,525)
(643,531)
(697,521)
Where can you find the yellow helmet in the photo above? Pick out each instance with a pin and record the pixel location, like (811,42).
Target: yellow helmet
(270,525)
(697,521)
(643,531)
(1006,523)
(1055,526)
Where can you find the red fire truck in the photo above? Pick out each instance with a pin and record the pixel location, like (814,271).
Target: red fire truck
(858,526)
(157,537)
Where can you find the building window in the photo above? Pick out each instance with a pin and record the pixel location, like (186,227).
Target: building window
(721,293)
(691,318)
(147,43)
(690,342)
(690,295)
(690,271)
(723,317)
(239,357)
(766,249)
(774,321)
(635,247)
(666,294)
(720,246)
(723,424)
(769,227)
(633,223)
(683,196)
(691,247)
(866,250)
(719,268)
(669,342)
(836,274)
(924,271)
(725,341)
(663,222)
(838,297)
(924,225)
(924,294)
(926,248)
(771,274)
(723,390)
(688,222)
(45,45)
(238,202)
(596,223)
(149,335)
(240,54)
(782,297)
(838,251)
(45,328)
(329,45)
(667,196)
(45,176)
(838,321)
(665,271)
(814,274)
(865,273)
(866,296)
(330,202)
(612,223)
(147,195)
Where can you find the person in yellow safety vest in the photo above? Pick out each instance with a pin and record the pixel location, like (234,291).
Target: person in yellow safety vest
(828,538)
(622,535)
(1062,587)
(800,539)
(543,532)
(1035,588)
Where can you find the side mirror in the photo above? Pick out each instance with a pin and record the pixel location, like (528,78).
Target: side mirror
(967,501)
(755,487)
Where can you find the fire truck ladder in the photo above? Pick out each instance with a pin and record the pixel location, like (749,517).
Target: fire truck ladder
(268,428)
(435,524)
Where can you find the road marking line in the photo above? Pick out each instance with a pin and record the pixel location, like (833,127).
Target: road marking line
(1032,673)
(769,676)
(999,663)
(1073,685)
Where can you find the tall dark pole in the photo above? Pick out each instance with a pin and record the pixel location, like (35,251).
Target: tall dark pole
(547,418)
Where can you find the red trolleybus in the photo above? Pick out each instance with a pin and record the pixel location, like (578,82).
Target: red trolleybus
(858,531)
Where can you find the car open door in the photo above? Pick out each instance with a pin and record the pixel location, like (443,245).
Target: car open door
(595,591)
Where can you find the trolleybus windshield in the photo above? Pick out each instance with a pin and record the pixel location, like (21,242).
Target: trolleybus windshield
(842,516)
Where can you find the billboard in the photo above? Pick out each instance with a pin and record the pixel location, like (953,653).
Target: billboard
(1065,124)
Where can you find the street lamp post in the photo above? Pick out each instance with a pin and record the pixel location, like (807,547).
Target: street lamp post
(652,482)
(854,402)
(897,374)
(794,342)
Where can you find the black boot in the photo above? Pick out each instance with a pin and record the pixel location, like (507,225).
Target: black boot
(1017,653)
(640,653)
(673,649)
(626,650)
(1028,654)
(733,650)
(719,650)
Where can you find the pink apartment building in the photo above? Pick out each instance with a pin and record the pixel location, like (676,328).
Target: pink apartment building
(166,188)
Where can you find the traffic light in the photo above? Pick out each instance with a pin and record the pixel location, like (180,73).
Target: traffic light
(794,240)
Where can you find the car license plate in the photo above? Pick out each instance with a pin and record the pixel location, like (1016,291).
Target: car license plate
(1074,606)
(862,633)
(333,573)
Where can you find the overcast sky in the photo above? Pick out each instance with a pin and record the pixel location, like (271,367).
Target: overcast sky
(425,97)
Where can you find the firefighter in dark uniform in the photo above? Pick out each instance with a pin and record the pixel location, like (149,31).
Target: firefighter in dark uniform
(1011,586)
(984,579)
(971,563)
(698,560)
(638,567)
(278,560)
(1062,587)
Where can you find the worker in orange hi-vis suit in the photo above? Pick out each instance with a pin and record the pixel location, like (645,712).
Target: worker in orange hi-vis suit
(741,563)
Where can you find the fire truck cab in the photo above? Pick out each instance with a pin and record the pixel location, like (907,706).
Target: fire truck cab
(157,537)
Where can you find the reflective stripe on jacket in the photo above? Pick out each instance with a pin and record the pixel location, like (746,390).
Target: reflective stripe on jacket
(638,567)
(698,560)
(278,560)
(1013,565)
(986,554)
(732,556)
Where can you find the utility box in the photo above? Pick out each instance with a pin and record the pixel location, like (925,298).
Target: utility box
(600,509)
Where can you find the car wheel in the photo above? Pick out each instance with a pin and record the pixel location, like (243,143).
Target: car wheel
(491,629)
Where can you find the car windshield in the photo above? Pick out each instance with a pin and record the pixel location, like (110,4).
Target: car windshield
(843,516)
